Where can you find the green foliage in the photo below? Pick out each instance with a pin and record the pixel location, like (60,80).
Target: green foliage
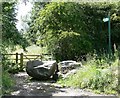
(61,16)
(10,67)
(53,21)
(71,45)
(10,34)
(32,34)
(98,30)
(15,68)
(85,19)
(7,82)
(102,80)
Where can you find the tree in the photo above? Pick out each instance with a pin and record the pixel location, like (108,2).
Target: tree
(57,18)
(32,34)
(85,19)
(10,34)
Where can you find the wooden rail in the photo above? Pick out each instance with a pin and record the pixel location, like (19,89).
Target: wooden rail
(21,57)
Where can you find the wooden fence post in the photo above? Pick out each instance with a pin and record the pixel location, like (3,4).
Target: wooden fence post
(21,60)
(16,58)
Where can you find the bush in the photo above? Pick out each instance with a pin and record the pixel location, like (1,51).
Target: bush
(70,46)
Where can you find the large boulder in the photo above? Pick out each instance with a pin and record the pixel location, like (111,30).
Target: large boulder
(41,70)
(66,66)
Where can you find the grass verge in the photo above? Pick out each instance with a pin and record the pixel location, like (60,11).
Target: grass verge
(95,75)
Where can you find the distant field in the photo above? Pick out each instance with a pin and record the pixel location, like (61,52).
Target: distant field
(32,50)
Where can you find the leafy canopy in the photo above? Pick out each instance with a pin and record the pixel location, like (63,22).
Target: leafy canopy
(10,34)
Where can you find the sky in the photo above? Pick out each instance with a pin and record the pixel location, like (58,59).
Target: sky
(23,10)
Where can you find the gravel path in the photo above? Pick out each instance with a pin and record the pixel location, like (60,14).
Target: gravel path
(25,87)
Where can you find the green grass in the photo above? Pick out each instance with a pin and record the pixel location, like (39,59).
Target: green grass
(32,50)
(92,76)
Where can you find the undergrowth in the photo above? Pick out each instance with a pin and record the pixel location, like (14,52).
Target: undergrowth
(6,80)
(7,83)
(101,76)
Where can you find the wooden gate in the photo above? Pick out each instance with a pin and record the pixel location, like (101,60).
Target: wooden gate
(20,58)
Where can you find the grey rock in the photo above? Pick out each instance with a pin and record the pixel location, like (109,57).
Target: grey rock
(41,70)
(70,72)
(66,66)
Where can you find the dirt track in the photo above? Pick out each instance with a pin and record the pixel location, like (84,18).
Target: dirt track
(25,87)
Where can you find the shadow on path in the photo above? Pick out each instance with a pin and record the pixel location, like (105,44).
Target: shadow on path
(27,88)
